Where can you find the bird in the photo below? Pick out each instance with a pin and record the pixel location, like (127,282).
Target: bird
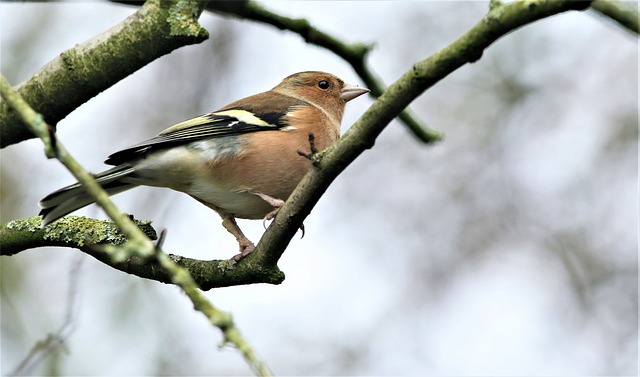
(242,160)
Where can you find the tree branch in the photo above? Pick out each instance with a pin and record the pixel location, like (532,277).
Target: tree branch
(624,14)
(88,235)
(500,20)
(82,72)
(354,54)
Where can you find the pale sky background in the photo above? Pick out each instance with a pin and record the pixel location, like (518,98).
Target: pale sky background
(509,248)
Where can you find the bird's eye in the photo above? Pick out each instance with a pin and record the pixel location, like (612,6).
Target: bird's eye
(323,84)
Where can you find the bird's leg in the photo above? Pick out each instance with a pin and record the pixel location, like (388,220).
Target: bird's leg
(230,224)
(277,203)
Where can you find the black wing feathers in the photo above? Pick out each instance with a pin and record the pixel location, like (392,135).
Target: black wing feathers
(233,120)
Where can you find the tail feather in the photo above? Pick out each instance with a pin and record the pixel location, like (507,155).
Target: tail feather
(68,199)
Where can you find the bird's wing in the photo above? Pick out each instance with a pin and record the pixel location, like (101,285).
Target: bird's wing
(252,114)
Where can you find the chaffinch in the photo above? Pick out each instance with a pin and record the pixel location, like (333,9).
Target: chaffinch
(241,161)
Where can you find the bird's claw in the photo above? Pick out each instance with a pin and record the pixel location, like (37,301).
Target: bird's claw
(272,215)
(245,250)
(313,150)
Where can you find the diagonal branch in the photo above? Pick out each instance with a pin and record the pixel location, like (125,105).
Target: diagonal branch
(501,20)
(82,72)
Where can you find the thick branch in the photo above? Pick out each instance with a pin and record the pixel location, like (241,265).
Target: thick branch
(82,72)
(501,20)
(89,235)
(71,231)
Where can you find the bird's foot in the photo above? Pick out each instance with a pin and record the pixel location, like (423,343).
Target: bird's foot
(313,154)
(277,203)
(246,247)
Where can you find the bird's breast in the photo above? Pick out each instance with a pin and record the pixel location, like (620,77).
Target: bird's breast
(226,172)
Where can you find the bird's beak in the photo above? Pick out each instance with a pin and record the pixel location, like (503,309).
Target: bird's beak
(350,92)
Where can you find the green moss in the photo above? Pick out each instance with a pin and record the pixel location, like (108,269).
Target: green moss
(183,18)
(77,230)
(31,224)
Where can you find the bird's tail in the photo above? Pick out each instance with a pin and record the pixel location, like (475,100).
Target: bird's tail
(70,198)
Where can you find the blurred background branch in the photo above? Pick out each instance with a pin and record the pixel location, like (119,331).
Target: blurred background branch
(354,54)
(56,341)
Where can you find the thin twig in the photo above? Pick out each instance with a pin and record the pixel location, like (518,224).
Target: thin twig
(56,341)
